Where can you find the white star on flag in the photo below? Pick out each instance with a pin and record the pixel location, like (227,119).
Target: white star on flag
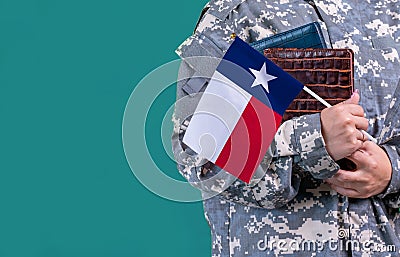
(262,77)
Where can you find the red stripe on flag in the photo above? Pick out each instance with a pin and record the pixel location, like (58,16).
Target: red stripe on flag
(249,140)
(278,120)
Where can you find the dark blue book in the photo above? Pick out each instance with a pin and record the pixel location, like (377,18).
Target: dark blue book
(307,36)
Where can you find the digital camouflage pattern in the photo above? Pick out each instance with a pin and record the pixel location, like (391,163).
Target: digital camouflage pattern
(287,209)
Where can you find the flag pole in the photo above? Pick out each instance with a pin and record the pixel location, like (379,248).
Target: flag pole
(329,105)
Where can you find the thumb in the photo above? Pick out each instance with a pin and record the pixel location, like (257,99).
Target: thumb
(354,99)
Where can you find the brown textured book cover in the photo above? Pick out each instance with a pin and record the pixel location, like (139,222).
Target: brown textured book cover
(327,72)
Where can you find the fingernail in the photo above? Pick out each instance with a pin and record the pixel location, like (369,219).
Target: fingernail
(355,92)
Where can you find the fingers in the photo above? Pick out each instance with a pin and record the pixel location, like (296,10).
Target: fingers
(340,127)
(346,191)
(360,136)
(354,99)
(348,185)
(370,146)
(352,105)
(361,157)
(354,109)
(371,176)
(345,178)
(347,182)
(353,126)
(361,122)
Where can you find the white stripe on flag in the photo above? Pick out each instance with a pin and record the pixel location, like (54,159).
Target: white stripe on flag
(216,115)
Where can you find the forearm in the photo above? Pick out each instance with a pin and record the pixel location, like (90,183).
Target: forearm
(276,181)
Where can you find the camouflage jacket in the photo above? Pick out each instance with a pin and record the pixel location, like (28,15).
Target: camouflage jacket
(287,209)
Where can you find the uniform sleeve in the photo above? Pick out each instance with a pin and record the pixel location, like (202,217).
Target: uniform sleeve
(391,195)
(390,142)
(298,145)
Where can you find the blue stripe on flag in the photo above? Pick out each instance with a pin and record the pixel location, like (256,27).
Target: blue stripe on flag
(282,90)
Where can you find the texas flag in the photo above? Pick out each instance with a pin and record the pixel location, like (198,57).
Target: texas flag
(240,110)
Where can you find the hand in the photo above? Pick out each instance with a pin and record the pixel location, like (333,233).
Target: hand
(341,126)
(371,177)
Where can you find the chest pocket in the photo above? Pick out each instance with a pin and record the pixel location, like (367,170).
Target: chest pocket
(212,12)
(388,47)
(221,9)
(391,126)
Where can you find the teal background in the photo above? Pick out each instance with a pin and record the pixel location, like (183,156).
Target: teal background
(67,69)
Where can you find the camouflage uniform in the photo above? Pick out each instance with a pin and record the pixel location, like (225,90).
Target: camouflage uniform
(288,203)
